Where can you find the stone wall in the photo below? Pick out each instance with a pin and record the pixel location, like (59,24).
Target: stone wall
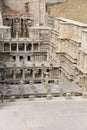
(69,39)
(4,57)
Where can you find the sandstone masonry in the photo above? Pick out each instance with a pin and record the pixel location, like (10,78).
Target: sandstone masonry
(37,52)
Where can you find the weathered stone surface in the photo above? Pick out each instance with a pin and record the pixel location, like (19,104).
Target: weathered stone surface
(68,96)
(0,19)
(31,98)
(31,48)
(84,94)
(12,99)
(49,97)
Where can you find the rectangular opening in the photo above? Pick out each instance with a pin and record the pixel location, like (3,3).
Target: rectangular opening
(21,58)
(13,47)
(28,58)
(14,58)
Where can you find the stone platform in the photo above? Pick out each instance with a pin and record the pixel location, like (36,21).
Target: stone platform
(42,114)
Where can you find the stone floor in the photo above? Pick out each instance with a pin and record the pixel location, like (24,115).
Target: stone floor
(42,114)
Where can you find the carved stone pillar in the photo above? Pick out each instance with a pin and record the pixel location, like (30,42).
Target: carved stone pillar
(25,47)
(46,80)
(39,47)
(14,74)
(33,73)
(50,73)
(23,74)
(17,34)
(42,74)
(25,58)
(10,45)
(32,47)
(17,58)
(17,47)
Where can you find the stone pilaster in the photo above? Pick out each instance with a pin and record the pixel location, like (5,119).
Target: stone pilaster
(32,46)
(10,45)
(34,74)
(17,58)
(14,74)
(17,47)
(23,74)
(39,47)
(25,47)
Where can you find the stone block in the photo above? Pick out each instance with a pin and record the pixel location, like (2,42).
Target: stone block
(12,99)
(31,98)
(49,97)
(68,96)
(84,95)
